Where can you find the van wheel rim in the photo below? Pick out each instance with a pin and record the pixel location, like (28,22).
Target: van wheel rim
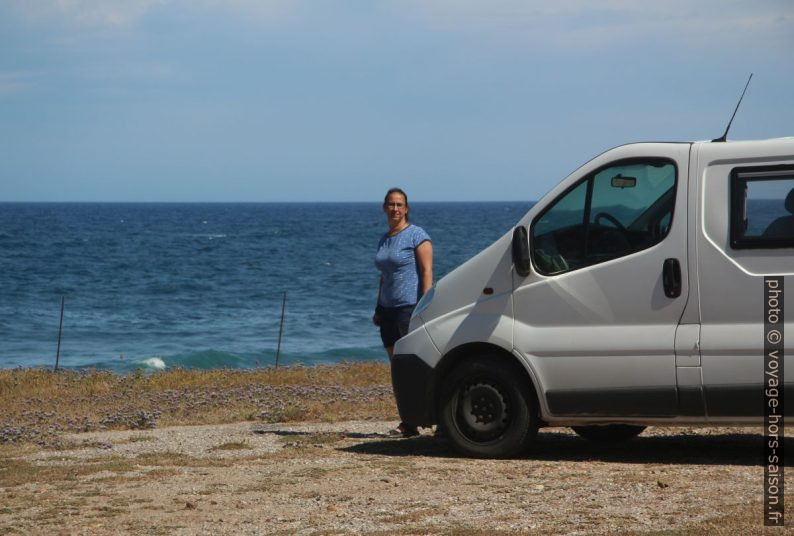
(483,412)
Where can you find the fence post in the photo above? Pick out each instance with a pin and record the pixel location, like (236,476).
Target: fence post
(281,327)
(60,332)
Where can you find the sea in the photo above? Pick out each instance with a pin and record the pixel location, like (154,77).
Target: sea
(204,285)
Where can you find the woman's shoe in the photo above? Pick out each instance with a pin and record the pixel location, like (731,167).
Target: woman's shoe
(404,430)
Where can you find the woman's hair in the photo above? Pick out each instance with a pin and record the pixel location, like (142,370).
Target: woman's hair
(397,191)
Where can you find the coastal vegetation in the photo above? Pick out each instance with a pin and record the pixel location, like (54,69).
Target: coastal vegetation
(39,405)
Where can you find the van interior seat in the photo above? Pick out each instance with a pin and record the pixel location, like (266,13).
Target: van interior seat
(784,225)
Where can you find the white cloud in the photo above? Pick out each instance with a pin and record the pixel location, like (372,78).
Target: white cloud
(255,8)
(107,12)
(584,19)
(117,13)
(572,24)
(14,82)
(86,12)
(129,71)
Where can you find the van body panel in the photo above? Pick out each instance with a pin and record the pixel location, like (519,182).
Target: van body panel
(691,314)
(687,345)
(492,316)
(730,283)
(691,400)
(413,378)
(602,337)
(474,302)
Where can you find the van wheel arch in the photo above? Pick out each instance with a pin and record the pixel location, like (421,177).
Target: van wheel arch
(456,356)
(510,377)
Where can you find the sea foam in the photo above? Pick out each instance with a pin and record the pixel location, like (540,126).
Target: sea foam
(155,363)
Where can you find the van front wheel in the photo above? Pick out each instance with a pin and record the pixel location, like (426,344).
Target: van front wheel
(487,408)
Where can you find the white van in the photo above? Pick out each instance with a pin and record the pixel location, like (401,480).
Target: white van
(632,294)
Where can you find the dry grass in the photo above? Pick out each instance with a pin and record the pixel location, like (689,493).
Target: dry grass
(175,459)
(16,384)
(18,471)
(40,405)
(232,445)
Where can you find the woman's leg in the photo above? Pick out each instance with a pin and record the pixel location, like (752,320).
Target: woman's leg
(393,325)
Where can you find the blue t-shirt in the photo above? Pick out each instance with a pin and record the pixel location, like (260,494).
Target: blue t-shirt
(396,260)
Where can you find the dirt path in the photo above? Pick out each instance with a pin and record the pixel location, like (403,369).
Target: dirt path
(346,478)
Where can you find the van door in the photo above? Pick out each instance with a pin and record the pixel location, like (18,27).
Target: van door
(597,315)
(746,233)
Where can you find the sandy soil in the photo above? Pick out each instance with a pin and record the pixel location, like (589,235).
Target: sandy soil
(348,478)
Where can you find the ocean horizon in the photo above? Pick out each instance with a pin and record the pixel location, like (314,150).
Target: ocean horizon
(157,285)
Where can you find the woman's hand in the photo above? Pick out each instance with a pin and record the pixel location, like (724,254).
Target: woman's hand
(376,319)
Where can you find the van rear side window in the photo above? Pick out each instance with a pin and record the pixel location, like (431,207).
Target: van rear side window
(762,207)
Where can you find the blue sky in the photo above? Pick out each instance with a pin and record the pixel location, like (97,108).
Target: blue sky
(332,100)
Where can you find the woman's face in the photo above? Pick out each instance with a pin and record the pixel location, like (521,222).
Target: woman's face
(395,209)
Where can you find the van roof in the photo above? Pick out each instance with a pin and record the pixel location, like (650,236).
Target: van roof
(743,141)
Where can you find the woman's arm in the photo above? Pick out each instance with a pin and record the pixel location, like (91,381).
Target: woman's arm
(376,316)
(424,261)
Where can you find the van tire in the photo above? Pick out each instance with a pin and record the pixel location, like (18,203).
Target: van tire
(609,433)
(488,409)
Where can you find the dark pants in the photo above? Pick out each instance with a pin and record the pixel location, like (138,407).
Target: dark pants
(394,323)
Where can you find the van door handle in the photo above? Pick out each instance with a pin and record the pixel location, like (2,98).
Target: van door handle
(671,277)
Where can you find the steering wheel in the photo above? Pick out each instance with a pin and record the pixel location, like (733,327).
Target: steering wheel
(559,263)
(611,219)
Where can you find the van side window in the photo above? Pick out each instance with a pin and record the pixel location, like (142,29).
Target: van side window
(762,207)
(558,233)
(617,210)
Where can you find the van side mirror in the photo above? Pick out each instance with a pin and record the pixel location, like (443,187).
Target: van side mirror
(619,181)
(521,251)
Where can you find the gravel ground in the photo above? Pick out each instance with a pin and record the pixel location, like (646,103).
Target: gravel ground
(348,478)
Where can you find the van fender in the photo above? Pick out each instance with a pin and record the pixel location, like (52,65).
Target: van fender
(537,386)
(488,320)
(465,351)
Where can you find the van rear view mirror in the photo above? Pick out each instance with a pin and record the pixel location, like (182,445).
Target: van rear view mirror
(520,252)
(619,181)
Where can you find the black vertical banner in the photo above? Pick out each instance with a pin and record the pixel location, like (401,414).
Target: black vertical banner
(773,401)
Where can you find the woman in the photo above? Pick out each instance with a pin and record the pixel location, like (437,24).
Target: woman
(405,261)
